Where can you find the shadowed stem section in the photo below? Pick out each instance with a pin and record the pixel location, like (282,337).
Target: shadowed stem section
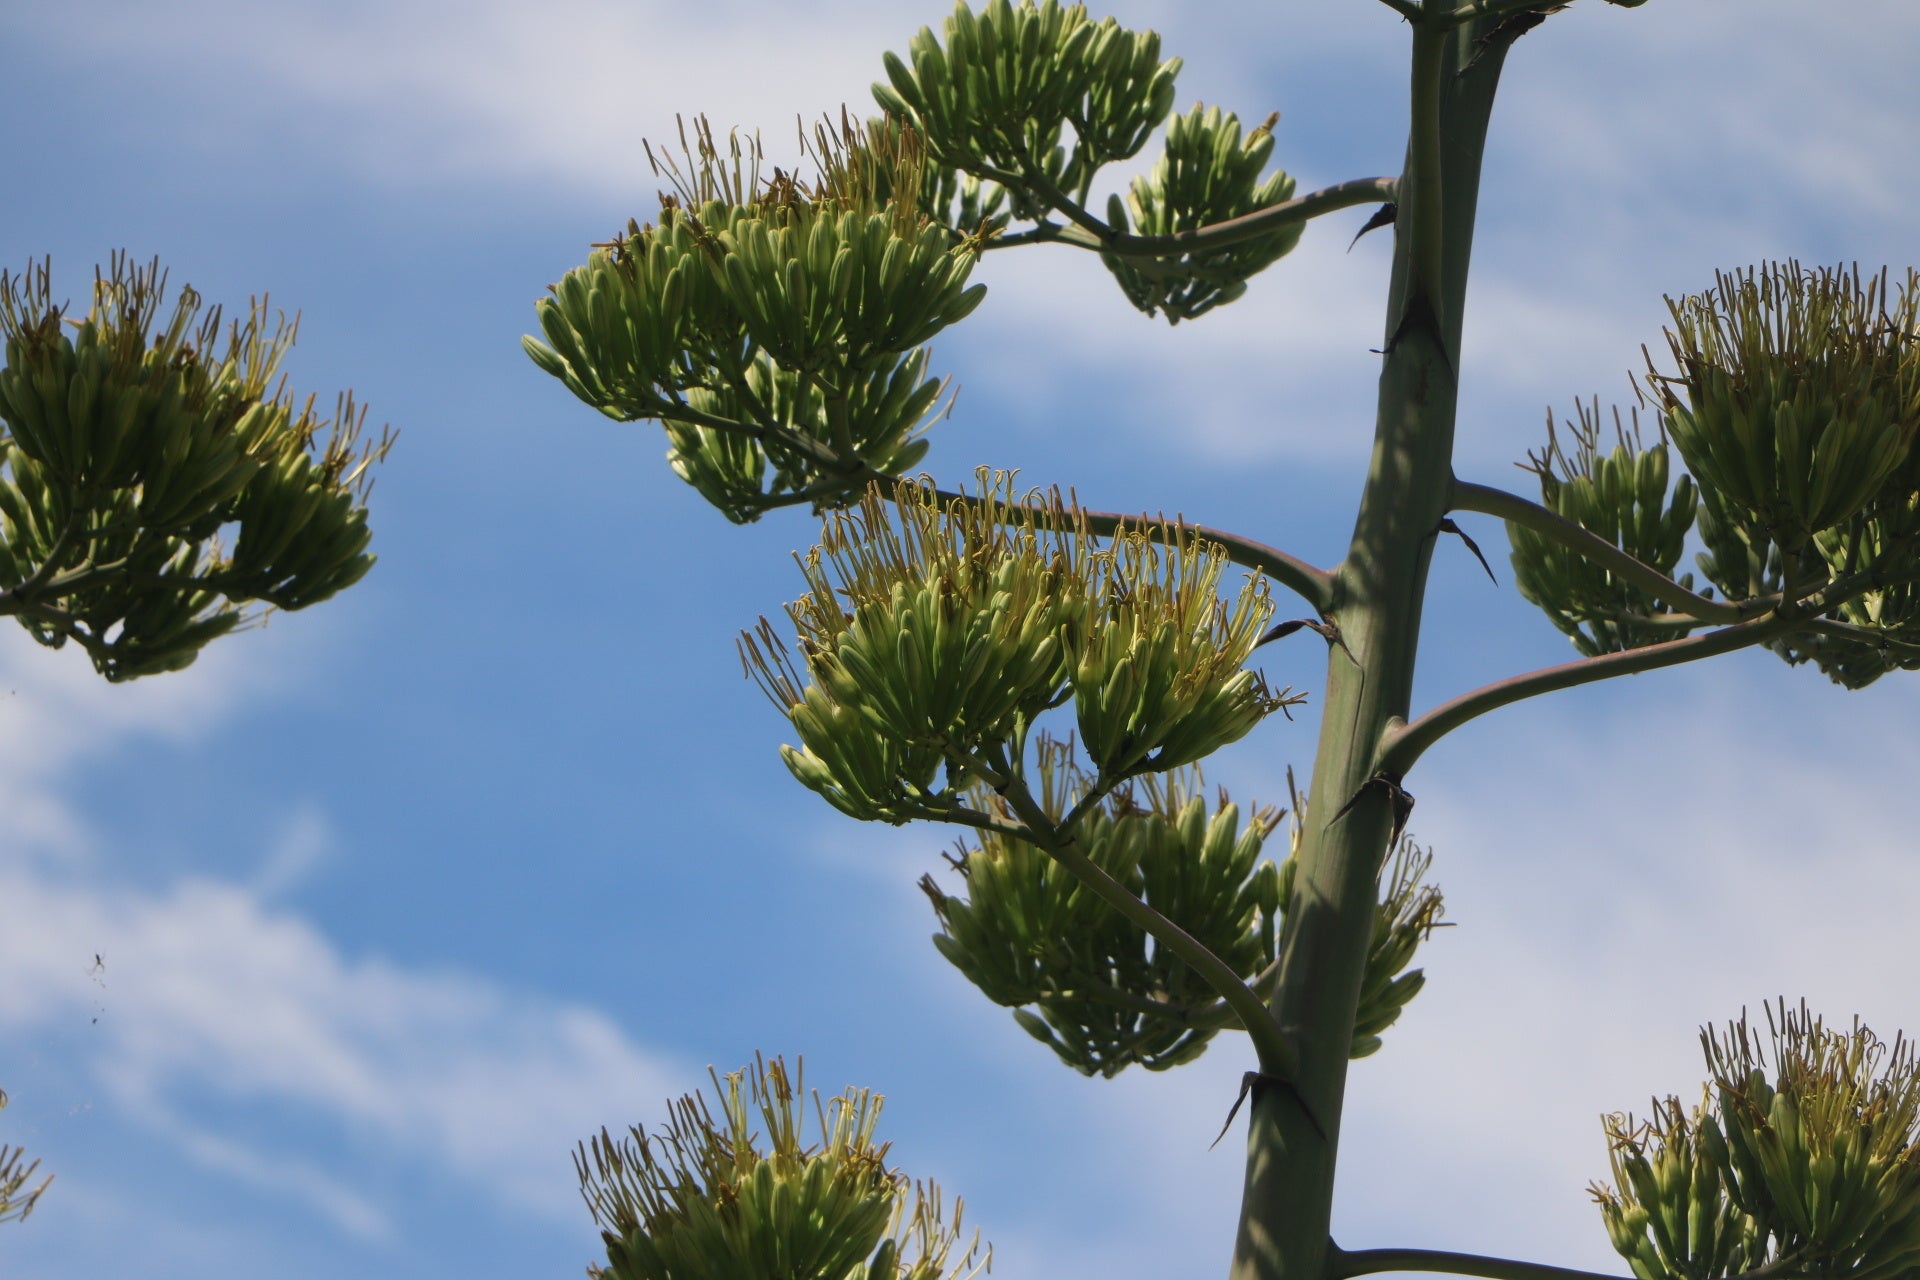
(1487,500)
(1276,1053)
(1405,743)
(1364,1262)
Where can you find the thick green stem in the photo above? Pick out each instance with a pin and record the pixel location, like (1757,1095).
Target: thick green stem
(1248,226)
(1293,1133)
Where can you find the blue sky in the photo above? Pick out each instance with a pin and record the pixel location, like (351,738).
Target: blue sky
(399,898)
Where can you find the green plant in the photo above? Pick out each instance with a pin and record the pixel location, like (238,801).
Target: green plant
(133,450)
(947,639)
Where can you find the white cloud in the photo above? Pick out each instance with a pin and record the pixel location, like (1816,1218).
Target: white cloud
(202,986)
(204,989)
(304,841)
(492,89)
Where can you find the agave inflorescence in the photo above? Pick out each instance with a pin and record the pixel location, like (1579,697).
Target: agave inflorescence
(702,1200)
(776,327)
(1028,932)
(933,633)
(937,628)
(134,443)
(1627,496)
(996,98)
(1209,174)
(1796,403)
(1795,400)
(1795,406)
(1814,1162)
(1090,984)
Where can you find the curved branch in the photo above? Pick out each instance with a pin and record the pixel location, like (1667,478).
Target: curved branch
(49,567)
(1217,1016)
(1179,1015)
(1277,1054)
(1219,235)
(1038,233)
(1406,742)
(1363,1262)
(1864,635)
(1313,585)
(1251,226)
(819,452)
(1487,500)
(1065,205)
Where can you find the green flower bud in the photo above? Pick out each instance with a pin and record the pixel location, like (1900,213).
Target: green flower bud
(1813,1162)
(1796,397)
(1671,1215)
(1157,670)
(1827,1149)
(1623,497)
(1207,175)
(702,1197)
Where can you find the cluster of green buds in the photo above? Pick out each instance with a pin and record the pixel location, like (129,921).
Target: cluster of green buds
(1796,398)
(702,1200)
(1092,985)
(1796,403)
(133,445)
(1628,497)
(1158,678)
(938,627)
(1209,174)
(1409,911)
(775,327)
(996,96)
(1672,1216)
(1105,996)
(1813,1165)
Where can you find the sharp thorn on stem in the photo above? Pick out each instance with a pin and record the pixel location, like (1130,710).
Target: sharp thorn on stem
(1382,217)
(1448,526)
